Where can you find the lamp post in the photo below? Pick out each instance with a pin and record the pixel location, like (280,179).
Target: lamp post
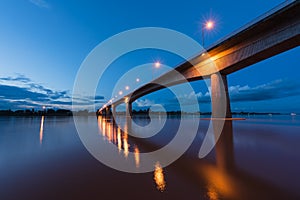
(208,25)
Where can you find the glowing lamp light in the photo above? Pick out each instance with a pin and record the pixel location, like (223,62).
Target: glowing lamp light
(209,25)
(126,99)
(127,88)
(120,92)
(157,64)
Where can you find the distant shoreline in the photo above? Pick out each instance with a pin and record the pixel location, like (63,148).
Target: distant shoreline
(64,112)
(46,112)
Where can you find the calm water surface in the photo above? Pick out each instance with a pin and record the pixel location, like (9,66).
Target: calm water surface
(43,158)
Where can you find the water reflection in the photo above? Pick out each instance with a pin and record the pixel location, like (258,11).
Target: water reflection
(42,130)
(219,177)
(159,177)
(137,156)
(125,146)
(119,141)
(116,136)
(212,193)
(219,183)
(224,148)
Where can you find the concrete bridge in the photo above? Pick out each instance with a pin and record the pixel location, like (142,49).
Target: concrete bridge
(273,33)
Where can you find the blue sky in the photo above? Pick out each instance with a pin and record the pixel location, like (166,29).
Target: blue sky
(43,43)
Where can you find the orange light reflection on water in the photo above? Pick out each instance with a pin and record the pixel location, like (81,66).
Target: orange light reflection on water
(103,127)
(137,156)
(159,177)
(109,133)
(126,147)
(42,130)
(119,141)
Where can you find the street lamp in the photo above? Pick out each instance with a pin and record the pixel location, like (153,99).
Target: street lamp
(44,109)
(208,25)
(157,64)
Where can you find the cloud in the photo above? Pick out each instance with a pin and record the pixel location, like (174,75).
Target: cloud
(276,89)
(21,92)
(144,103)
(20,78)
(40,3)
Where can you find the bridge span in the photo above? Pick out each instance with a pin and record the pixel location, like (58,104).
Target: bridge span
(273,33)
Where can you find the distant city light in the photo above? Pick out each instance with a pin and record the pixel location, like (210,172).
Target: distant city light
(120,92)
(127,87)
(137,80)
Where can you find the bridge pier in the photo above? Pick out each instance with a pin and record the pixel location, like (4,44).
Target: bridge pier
(107,110)
(113,109)
(128,116)
(128,109)
(113,113)
(220,96)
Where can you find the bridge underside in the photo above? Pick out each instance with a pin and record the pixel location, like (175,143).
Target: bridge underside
(270,36)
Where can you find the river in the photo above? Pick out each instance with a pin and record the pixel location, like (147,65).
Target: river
(44,158)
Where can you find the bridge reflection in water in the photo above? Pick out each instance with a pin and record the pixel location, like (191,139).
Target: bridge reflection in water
(115,135)
(217,174)
(118,137)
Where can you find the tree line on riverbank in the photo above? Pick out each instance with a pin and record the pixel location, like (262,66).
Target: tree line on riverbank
(65,112)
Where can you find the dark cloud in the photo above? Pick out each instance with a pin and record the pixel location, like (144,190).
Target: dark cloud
(13,93)
(20,92)
(97,97)
(274,90)
(277,89)
(19,78)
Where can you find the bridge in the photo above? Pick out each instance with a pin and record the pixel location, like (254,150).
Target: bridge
(273,33)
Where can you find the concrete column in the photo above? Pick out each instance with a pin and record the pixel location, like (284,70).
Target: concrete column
(220,97)
(128,116)
(108,111)
(105,111)
(128,109)
(113,109)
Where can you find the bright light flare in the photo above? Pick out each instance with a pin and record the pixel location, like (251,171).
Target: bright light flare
(209,25)
(157,64)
